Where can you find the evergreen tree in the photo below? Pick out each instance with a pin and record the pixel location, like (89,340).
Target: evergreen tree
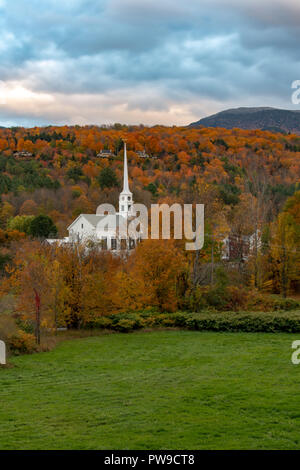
(42,226)
(107,178)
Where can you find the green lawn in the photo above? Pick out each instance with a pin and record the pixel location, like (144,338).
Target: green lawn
(159,390)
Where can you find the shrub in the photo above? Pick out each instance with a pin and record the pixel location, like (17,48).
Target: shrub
(207,321)
(125,325)
(148,312)
(118,322)
(148,322)
(286,304)
(236,298)
(216,297)
(25,325)
(168,321)
(180,319)
(260,302)
(135,318)
(244,321)
(22,343)
(197,301)
(100,322)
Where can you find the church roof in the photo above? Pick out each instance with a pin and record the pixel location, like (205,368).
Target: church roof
(94,219)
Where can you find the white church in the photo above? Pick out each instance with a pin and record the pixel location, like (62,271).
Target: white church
(111,234)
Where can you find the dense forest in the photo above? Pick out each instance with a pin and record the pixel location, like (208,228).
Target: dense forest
(248,181)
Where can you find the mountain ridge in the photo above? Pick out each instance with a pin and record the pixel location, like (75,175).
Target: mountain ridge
(251,118)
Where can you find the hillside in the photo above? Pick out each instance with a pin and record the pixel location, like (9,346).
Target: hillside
(271,119)
(245,179)
(63,176)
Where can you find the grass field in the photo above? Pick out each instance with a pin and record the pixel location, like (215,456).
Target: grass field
(158,390)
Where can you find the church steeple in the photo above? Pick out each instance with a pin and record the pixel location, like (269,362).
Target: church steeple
(125,178)
(125,199)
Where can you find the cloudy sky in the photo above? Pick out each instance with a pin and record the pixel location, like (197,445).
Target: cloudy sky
(144,61)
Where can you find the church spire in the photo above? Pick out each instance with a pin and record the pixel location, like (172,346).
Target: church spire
(125,178)
(125,199)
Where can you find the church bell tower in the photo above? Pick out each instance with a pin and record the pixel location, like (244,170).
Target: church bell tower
(125,198)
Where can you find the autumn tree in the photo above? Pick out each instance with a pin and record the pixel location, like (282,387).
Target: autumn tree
(22,223)
(29,207)
(30,281)
(155,274)
(284,247)
(285,256)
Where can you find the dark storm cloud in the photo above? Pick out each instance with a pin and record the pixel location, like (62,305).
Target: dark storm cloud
(152,56)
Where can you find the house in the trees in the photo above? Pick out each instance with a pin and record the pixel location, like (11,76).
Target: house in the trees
(142,154)
(23,155)
(106,154)
(240,247)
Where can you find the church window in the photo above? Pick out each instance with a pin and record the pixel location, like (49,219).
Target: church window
(123,244)
(81,225)
(104,243)
(131,243)
(113,244)
(129,207)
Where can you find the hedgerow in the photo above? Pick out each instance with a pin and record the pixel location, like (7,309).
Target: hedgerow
(267,322)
